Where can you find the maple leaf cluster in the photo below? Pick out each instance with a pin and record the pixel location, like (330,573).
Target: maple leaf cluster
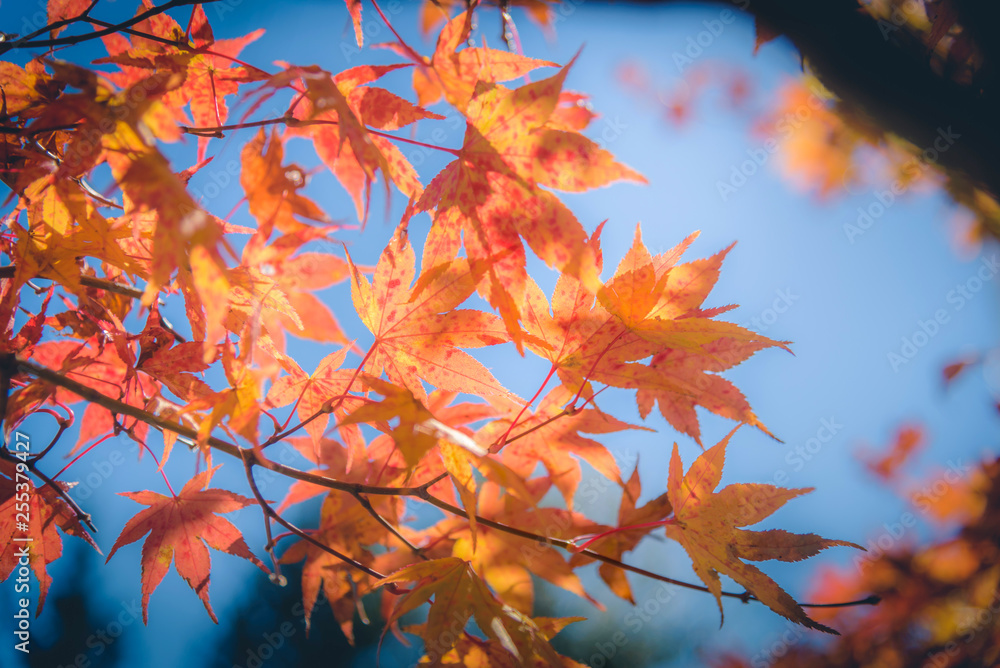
(939,600)
(417,419)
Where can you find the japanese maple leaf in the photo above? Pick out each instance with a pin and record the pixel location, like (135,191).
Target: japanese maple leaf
(26,90)
(418,335)
(179,527)
(64,225)
(572,113)
(272,188)
(634,523)
(175,366)
(209,68)
(239,404)
(460,594)
(417,430)
(60,10)
(326,386)
(333,460)
(354,155)
(707,524)
(46,514)
(297,278)
(101,370)
(454,73)
(335,111)
(650,309)
(473,652)
(433,12)
(507,562)
(354,9)
(491,197)
(350,529)
(906,441)
(557,440)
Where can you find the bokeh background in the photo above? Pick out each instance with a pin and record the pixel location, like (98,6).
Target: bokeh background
(846,301)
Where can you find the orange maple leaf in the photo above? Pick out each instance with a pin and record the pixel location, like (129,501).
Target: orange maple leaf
(418,335)
(460,594)
(348,528)
(491,196)
(555,439)
(650,308)
(454,74)
(433,12)
(906,441)
(634,523)
(417,431)
(315,392)
(177,526)
(351,152)
(208,67)
(706,523)
(44,512)
(507,562)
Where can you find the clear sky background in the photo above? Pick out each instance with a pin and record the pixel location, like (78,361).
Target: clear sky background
(851,304)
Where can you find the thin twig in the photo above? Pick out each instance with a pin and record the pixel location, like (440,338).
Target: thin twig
(249,459)
(82,516)
(367,505)
(88,281)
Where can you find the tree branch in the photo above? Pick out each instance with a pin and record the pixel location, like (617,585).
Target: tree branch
(25,43)
(249,459)
(256,459)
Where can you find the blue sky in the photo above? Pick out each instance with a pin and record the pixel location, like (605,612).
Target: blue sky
(848,306)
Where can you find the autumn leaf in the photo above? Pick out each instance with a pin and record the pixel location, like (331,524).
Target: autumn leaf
(210,67)
(650,309)
(354,8)
(555,438)
(634,523)
(336,112)
(45,514)
(491,198)
(418,336)
(473,652)
(315,393)
(706,523)
(272,187)
(907,439)
(60,10)
(179,527)
(417,430)
(454,73)
(346,527)
(507,562)
(433,12)
(459,594)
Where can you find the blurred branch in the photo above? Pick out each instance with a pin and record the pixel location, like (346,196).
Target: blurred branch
(880,73)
